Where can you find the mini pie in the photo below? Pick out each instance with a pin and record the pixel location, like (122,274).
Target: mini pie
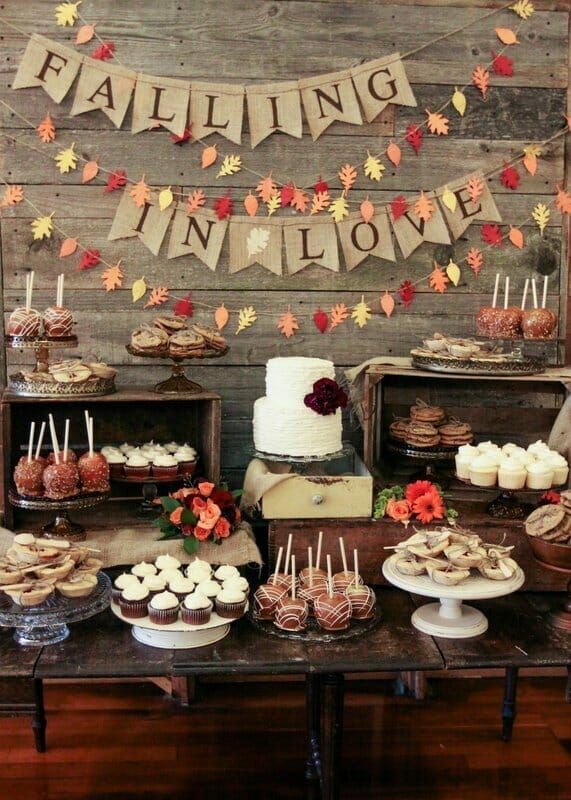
(9,573)
(186,343)
(101,370)
(32,594)
(78,585)
(170,324)
(90,566)
(148,340)
(55,572)
(212,338)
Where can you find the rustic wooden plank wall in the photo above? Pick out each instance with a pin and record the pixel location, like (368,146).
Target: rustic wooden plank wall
(259,40)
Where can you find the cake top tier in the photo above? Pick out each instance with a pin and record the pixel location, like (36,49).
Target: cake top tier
(288,380)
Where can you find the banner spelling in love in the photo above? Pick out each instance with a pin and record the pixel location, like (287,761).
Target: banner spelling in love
(356,95)
(308,240)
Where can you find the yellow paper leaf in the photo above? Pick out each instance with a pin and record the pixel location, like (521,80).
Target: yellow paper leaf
(449,199)
(273,203)
(113,277)
(516,237)
(523,8)
(367,210)
(46,130)
(541,215)
(288,324)
(139,289)
(394,154)
(459,101)
(506,36)
(68,247)
(66,159)
(140,193)
(387,304)
(221,317)
(42,227)
(165,198)
(230,166)
(90,171)
(66,13)
(85,34)
(361,314)
(209,156)
(373,168)
(339,209)
(453,272)
(158,296)
(246,318)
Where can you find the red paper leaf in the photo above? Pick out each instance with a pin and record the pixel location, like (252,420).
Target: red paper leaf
(414,137)
(399,206)
(406,292)
(184,308)
(510,178)
(185,137)
(223,207)
(492,235)
(321,320)
(321,187)
(286,194)
(104,52)
(116,180)
(89,259)
(502,65)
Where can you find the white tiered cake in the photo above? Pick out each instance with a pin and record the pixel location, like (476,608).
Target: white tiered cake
(283,423)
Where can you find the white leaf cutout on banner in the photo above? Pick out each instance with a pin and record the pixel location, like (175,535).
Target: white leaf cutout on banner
(257,241)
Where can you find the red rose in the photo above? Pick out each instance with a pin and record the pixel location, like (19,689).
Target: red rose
(202,533)
(222,528)
(205,488)
(222,498)
(398,509)
(198,504)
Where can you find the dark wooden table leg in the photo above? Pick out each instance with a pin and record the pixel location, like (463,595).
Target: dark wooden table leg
(313,716)
(39,719)
(509,707)
(331,734)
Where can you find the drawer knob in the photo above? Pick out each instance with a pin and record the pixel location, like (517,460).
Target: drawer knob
(317,499)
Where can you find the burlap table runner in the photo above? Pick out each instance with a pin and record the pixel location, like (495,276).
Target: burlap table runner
(130,545)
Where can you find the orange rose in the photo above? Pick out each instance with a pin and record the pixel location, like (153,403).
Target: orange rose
(398,509)
(176,515)
(181,494)
(198,504)
(202,533)
(210,515)
(222,528)
(205,488)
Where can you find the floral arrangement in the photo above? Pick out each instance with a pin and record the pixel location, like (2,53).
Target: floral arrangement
(197,513)
(327,396)
(420,501)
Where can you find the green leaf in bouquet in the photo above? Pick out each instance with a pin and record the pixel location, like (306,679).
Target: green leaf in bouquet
(237,493)
(169,531)
(169,504)
(188,518)
(190,545)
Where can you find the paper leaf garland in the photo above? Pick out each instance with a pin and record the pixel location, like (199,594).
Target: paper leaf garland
(406,292)
(196,200)
(89,259)
(319,202)
(523,8)
(230,166)
(387,303)
(414,137)
(185,136)
(140,193)
(12,196)
(459,101)
(321,320)
(475,187)
(165,198)
(516,237)
(367,210)
(373,168)
(541,215)
(184,307)
(221,317)
(449,199)
(158,296)
(509,177)
(394,154)
(273,204)
(339,313)
(475,260)
(563,201)
(46,130)
(348,175)
(286,195)
(339,209)
(257,241)
(90,171)
(266,188)
(68,247)
(85,34)
(399,206)
(492,235)
(438,279)
(42,227)
(502,65)
(321,186)
(116,180)
(299,200)
(531,154)
(481,79)
(139,289)
(209,156)
(506,36)
(361,314)
(288,324)
(453,272)
(223,207)
(424,208)
(66,13)
(246,318)
(113,277)
(66,159)
(251,204)
(437,123)
(104,52)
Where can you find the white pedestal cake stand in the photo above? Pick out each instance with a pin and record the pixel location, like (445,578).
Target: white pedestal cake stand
(449,618)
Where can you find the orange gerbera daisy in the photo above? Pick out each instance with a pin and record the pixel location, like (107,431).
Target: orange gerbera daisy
(429,506)
(417,489)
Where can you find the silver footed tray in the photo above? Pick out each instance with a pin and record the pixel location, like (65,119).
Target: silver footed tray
(495,364)
(42,388)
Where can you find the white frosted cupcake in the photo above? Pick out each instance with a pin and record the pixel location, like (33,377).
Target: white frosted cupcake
(230,603)
(509,448)
(538,448)
(464,457)
(126,447)
(483,446)
(511,474)
(209,588)
(143,568)
(196,609)
(226,571)
(163,608)
(539,475)
(483,471)
(495,455)
(172,447)
(121,582)
(164,466)
(170,574)
(181,586)
(199,571)
(136,466)
(154,584)
(237,583)
(560,467)
(166,561)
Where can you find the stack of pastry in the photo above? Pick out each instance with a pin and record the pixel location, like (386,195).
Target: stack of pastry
(427,427)
(552,523)
(172,336)
(422,412)
(455,433)
(422,434)
(72,370)
(33,569)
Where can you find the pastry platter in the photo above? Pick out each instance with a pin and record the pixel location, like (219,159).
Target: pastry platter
(491,365)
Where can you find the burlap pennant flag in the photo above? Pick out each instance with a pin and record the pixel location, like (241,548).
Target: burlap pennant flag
(411,231)
(381,82)
(327,98)
(147,222)
(255,241)
(49,65)
(466,210)
(108,88)
(273,108)
(360,239)
(311,241)
(200,234)
(160,101)
(217,108)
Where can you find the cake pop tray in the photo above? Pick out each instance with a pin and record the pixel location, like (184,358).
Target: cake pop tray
(39,388)
(314,633)
(476,366)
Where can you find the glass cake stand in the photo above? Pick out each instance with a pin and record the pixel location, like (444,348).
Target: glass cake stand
(178,383)
(48,623)
(429,459)
(61,527)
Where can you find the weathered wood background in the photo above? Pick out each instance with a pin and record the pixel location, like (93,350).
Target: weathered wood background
(259,40)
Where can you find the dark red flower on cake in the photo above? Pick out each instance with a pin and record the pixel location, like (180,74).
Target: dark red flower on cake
(417,489)
(326,398)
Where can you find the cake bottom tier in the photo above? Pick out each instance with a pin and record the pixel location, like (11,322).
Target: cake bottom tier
(298,431)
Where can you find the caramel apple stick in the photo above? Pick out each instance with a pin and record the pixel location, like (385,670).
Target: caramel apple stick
(356,566)
(53,433)
(288,553)
(544,298)
(329,577)
(31,441)
(507,292)
(318,555)
(496,289)
(310,562)
(293,577)
(525,290)
(88,429)
(534,292)
(278,565)
(343,555)
(59,296)
(41,439)
(91,440)
(66,441)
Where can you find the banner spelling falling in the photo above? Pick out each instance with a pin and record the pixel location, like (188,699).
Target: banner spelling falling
(307,240)
(344,96)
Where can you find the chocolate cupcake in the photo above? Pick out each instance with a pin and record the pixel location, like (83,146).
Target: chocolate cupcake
(121,582)
(225,572)
(163,608)
(181,586)
(155,584)
(133,602)
(237,583)
(166,561)
(196,609)
(143,568)
(230,603)
(209,588)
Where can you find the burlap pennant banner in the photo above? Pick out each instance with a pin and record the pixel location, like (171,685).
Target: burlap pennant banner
(217,108)
(310,242)
(360,239)
(200,234)
(274,108)
(329,98)
(467,210)
(255,241)
(49,65)
(160,101)
(381,82)
(111,92)
(411,231)
(147,222)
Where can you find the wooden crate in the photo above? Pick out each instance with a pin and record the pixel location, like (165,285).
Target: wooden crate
(131,415)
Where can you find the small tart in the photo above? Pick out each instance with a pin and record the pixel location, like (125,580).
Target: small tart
(78,585)
(9,573)
(56,571)
(90,566)
(36,593)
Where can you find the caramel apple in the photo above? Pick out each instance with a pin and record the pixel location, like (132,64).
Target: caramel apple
(24,323)
(93,472)
(291,614)
(332,612)
(58,322)
(69,455)
(342,580)
(362,599)
(311,593)
(61,480)
(539,323)
(487,320)
(266,599)
(317,573)
(28,477)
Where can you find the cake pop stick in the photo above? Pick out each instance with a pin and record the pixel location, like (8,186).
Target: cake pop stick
(310,562)
(534,292)
(40,439)
(544,298)
(507,292)
(278,565)
(293,577)
(496,288)
(59,296)
(55,443)
(91,438)
(319,543)
(356,566)
(66,441)
(343,555)
(524,298)
(89,433)
(329,577)
(31,441)
(288,553)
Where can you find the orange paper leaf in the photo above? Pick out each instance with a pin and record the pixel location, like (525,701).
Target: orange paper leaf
(387,304)
(394,153)
(475,187)
(481,79)
(475,260)
(530,163)
(516,237)
(506,36)
(266,188)
(299,200)
(437,123)
(140,193)
(424,208)
(196,200)
(90,171)
(221,317)
(563,201)
(85,34)
(12,196)
(209,156)
(367,210)
(319,202)
(251,205)
(158,296)
(46,130)
(288,324)
(339,314)
(347,175)
(438,279)
(68,247)
(113,277)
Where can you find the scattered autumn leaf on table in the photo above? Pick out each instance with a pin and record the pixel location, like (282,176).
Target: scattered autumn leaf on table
(184,307)
(184,137)
(251,205)
(42,227)
(414,136)
(209,156)
(516,237)
(475,260)
(481,79)
(449,199)
(437,123)
(319,202)
(492,235)
(361,314)
(509,177)
(159,295)
(406,292)
(166,198)
(140,193)
(339,313)
(196,200)
(453,272)
(399,207)
(230,166)
(85,34)
(273,204)
(90,171)
(563,201)
(139,289)
(112,277)
(438,279)
(394,154)
(424,207)
(46,130)
(66,13)
(321,320)
(387,303)
(104,52)
(373,168)
(541,215)
(116,180)
(506,36)
(299,200)
(459,101)
(246,318)
(502,65)
(266,188)
(475,187)
(523,8)
(68,247)
(89,259)
(12,196)
(347,175)
(531,154)
(66,159)
(221,317)
(367,210)
(339,209)
(224,207)
(257,241)
(288,323)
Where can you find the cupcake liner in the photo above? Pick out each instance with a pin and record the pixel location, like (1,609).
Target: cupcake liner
(164,472)
(134,609)
(196,616)
(163,616)
(230,610)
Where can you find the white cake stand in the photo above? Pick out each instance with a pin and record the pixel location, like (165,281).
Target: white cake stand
(449,618)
